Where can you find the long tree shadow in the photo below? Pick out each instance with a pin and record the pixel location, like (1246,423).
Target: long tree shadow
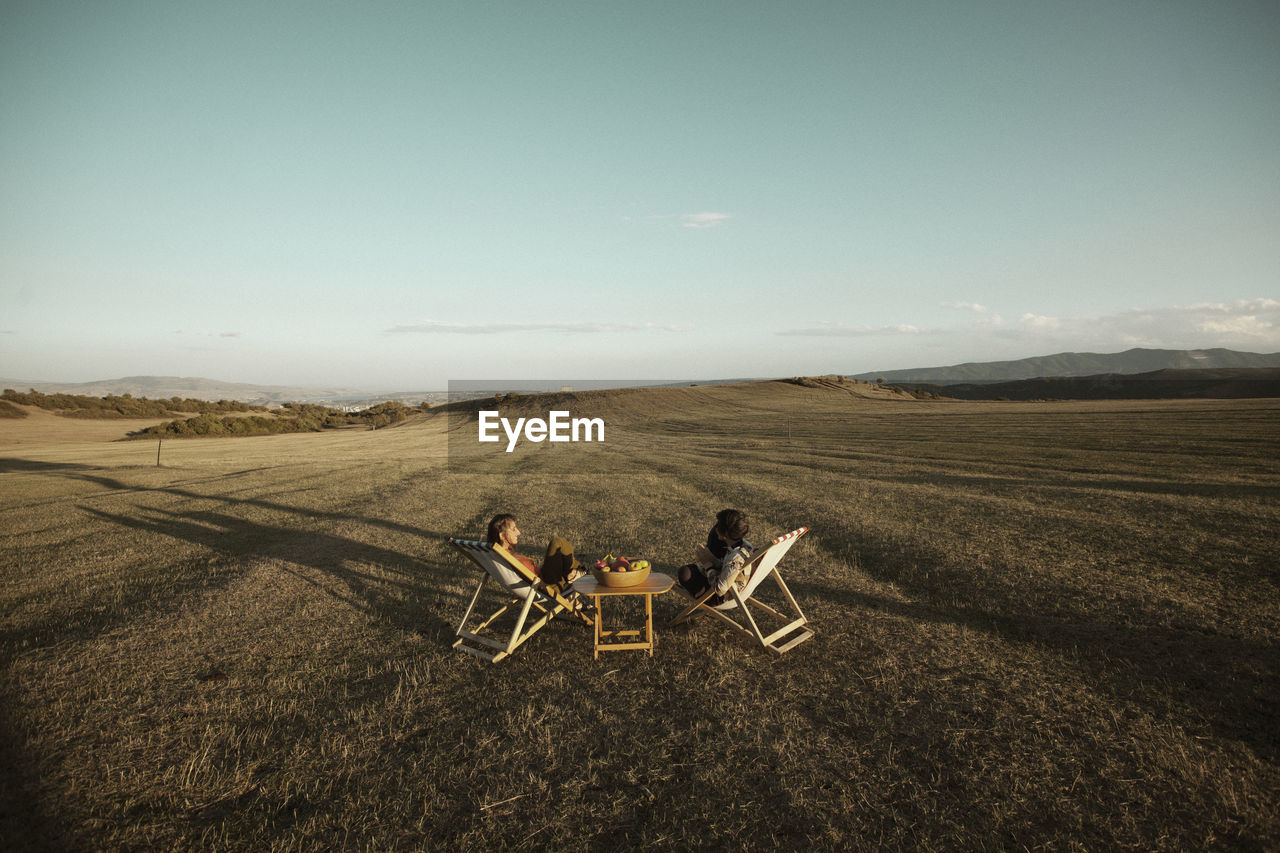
(15,465)
(401,597)
(312,514)
(339,557)
(79,471)
(406,591)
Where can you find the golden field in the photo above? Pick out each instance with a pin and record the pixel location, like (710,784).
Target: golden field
(1039,625)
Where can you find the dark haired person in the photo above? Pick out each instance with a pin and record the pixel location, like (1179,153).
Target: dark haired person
(722,559)
(559,567)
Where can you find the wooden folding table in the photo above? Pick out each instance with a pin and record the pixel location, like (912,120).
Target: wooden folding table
(605,640)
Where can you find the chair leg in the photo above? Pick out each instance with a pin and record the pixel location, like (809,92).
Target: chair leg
(688,612)
(516,639)
(751,628)
(790,598)
(755,629)
(470,608)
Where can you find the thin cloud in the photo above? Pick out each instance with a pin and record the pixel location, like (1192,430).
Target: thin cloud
(439,327)
(1040,321)
(207,334)
(836,329)
(1244,323)
(704,220)
(1239,307)
(1245,318)
(1249,324)
(1245,326)
(966,306)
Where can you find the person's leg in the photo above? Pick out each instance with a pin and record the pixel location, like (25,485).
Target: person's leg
(693,579)
(559,561)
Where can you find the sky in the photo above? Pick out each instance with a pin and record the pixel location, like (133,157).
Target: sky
(391,195)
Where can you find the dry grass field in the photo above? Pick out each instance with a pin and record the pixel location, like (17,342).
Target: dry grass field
(1039,626)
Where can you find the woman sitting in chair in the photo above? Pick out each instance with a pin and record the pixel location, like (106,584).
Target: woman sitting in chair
(559,567)
(722,559)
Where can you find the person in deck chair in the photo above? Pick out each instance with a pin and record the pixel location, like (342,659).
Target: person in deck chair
(722,559)
(559,567)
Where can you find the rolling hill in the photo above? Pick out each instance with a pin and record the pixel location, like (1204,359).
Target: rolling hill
(1076,364)
(1168,384)
(1133,361)
(194,387)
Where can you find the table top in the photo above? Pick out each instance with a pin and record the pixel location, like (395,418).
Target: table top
(652,585)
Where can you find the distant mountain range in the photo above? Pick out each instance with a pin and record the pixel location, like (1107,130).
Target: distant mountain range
(1094,366)
(200,388)
(1169,384)
(1131,361)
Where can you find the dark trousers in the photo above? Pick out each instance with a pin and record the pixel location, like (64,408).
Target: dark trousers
(697,583)
(558,562)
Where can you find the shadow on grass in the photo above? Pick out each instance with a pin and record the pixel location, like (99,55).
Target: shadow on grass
(401,596)
(25,822)
(235,537)
(1228,683)
(312,514)
(1102,483)
(336,556)
(415,594)
(78,471)
(13,465)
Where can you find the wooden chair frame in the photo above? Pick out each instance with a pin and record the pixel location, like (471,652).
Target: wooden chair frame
(762,565)
(514,578)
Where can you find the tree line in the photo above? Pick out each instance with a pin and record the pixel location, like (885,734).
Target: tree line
(225,417)
(122,406)
(292,417)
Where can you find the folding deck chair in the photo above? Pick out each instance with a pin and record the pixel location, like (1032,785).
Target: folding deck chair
(763,564)
(524,586)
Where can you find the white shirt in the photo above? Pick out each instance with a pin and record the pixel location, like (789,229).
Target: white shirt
(731,565)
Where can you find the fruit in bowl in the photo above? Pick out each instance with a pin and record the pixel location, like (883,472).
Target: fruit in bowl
(620,571)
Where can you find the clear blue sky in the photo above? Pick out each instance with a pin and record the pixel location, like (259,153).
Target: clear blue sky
(391,195)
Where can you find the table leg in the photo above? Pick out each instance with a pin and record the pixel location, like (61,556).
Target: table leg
(648,622)
(599,626)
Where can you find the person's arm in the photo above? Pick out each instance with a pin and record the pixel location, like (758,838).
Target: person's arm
(704,558)
(734,562)
(716,545)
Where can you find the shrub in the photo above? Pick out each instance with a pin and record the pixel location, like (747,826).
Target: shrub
(293,417)
(122,406)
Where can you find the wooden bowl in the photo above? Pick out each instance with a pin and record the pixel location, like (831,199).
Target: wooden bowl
(616,579)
